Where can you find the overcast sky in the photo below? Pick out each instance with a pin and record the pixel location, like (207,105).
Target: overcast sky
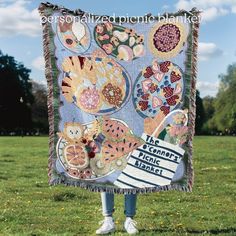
(21,36)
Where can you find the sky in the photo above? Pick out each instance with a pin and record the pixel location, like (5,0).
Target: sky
(21,33)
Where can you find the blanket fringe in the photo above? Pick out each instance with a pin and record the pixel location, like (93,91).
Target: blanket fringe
(101,188)
(193,54)
(49,48)
(50,95)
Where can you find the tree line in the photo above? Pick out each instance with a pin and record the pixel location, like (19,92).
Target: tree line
(217,115)
(23,103)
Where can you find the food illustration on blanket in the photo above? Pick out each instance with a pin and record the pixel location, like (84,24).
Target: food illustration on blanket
(167,39)
(96,84)
(172,128)
(92,151)
(158,88)
(97,148)
(177,130)
(99,85)
(73,34)
(118,41)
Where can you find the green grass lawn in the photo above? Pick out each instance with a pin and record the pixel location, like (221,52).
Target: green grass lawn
(28,206)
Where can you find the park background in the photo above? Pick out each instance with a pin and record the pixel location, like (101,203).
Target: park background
(29,207)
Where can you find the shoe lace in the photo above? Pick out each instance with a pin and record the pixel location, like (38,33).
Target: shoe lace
(102,222)
(132,224)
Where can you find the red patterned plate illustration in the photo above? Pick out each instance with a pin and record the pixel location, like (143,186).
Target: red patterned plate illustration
(158,88)
(166,39)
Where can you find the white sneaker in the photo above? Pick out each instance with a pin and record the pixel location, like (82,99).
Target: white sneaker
(107,227)
(130,226)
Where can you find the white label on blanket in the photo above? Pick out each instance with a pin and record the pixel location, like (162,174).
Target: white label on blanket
(151,165)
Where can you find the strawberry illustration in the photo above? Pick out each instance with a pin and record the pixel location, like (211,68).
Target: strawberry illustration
(143,105)
(153,88)
(146,84)
(172,100)
(168,91)
(148,73)
(145,96)
(164,66)
(174,77)
(156,102)
(165,110)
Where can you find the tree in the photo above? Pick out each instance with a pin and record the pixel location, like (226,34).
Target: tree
(209,126)
(39,107)
(208,104)
(225,104)
(200,114)
(15,95)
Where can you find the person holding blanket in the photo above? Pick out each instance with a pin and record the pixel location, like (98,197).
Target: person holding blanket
(108,225)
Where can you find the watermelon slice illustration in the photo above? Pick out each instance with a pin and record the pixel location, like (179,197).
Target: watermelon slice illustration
(113,129)
(114,150)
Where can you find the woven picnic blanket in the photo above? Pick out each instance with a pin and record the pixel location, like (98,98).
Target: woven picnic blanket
(121,99)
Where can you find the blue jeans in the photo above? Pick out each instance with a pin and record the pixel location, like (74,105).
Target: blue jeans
(108,204)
